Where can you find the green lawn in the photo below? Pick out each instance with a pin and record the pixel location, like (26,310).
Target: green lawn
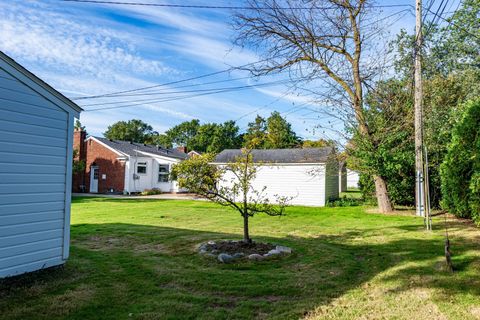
(135,259)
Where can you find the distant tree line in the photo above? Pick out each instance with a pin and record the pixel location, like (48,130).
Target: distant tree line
(273,132)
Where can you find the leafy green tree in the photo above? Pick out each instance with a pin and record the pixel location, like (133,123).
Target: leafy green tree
(444,100)
(460,171)
(132,130)
(320,143)
(451,48)
(183,133)
(78,165)
(162,140)
(461,38)
(256,133)
(390,150)
(203,139)
(78,126)
(229,185)
(279,133)
(275,132)
(225,136)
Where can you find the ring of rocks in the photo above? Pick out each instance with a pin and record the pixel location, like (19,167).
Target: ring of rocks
(228,251)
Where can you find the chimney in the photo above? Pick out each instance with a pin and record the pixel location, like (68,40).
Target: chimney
(182,149)
(79,137)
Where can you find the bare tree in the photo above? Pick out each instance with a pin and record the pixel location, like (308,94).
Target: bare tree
(315,39)
(229,185)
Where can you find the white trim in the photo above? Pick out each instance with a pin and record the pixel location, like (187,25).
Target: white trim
(68,186)
(107,146)
(92,174)
(126,183)
(144,164)
(38,85)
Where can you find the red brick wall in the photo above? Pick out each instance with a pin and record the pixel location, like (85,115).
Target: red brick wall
(78,179)
(108,164)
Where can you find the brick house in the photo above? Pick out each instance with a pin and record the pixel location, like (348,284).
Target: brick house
(122,166)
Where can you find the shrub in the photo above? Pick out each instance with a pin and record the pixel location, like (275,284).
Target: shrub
(344,202)
(460,171)
(149,192)
(367,188)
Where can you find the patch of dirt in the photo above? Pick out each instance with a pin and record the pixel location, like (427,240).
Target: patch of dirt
(475,311)
(71,300)
(232,247)
(102,243)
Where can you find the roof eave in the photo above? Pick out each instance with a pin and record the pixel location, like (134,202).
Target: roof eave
(41,83)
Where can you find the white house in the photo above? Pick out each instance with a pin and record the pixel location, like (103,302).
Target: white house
(342,176)
(125,167)
(353,179)
(309,176)
(36,128)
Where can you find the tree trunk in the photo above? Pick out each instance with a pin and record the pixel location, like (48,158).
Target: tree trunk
(383,199)
(246,235)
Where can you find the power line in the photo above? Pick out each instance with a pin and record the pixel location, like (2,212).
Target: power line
(111,94)
(151,93)
(188,6)
(175,98)
(210,90)
(436,15)
(450,22)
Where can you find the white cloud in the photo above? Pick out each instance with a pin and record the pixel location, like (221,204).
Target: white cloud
(57,43)
(82,51)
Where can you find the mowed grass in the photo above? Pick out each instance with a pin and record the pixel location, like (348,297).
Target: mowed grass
(136,259)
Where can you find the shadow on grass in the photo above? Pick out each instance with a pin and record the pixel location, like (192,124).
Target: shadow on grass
(119,271)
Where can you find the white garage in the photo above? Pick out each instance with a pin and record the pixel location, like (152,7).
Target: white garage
(36,129)
(309,176)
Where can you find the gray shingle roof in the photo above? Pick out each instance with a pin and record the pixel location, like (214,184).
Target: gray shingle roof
(130,148)
(307,155)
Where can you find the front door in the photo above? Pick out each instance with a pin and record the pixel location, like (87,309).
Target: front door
(94,180)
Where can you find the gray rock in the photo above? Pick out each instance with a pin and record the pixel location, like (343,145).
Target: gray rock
(203,251)
(274,252)
(210,255)
(255,257)
(214,251)
(283,249)
(238,255)
(225,258)
(203,246)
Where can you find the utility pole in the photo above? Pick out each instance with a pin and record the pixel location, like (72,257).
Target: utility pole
(419,185)
(422,196)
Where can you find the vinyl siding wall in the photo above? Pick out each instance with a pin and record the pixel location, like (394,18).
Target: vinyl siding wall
(352,179)
(332,180)
(305,183)
(33,179)
(150,179)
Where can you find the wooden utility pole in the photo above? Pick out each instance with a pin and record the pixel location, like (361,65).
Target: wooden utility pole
(419,186)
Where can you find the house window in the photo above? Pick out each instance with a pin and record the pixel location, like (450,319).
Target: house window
(163,173)
(142,168)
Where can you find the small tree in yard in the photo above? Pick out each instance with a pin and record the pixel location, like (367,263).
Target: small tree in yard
(228,185)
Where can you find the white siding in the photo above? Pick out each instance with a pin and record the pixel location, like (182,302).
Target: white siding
(33,178)
(352,179)
(150,179)
(305,183)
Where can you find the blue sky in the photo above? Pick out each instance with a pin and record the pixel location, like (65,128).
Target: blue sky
(88,49)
